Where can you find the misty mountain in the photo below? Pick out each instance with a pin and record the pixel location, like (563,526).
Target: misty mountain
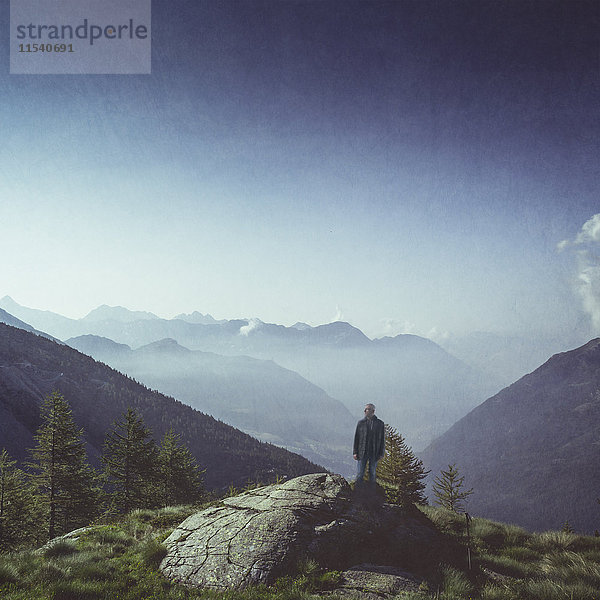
(32,366)
(418,387)
(532,451)
(506,358)
(119,314)
(257,396)
(50,323)
(198,317)
(8,319)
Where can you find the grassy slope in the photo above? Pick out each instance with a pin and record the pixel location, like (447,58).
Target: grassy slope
(119,561)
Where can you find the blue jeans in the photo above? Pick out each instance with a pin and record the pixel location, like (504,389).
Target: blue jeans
(361,467)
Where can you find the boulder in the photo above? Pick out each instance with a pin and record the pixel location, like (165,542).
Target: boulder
(265,533)
(375,582)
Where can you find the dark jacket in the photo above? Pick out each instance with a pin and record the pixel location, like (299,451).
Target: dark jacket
(370,444)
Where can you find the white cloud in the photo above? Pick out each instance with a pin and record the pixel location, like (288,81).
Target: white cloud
(339,314)
(590,232)
(588,267)
(253,325)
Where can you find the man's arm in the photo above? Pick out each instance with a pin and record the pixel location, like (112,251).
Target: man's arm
(355,447)
(382,441)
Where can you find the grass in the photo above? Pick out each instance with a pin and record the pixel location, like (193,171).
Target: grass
(119,560)
(510,563)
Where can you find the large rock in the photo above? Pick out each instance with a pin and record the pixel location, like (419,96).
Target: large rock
(263,534)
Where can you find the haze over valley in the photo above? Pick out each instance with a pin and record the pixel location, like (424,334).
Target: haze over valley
(306,206)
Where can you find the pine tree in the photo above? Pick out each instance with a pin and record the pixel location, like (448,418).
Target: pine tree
(448,489)
(62,475)
(400,472)
(18,518)
(180,476)
(131,463)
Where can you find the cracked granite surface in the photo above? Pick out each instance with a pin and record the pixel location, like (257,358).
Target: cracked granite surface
(262,534)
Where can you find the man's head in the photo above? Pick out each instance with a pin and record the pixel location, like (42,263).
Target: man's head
(369,410)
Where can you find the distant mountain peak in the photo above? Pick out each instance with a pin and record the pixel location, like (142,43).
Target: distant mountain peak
(339,331)
(90,344)
(118,313)
(198,318)
(300,326)
(165,345)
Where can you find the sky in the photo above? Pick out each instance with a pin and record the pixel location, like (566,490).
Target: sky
(424,167)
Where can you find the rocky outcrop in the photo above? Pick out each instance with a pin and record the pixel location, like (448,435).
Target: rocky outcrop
(375,582)
(263,534)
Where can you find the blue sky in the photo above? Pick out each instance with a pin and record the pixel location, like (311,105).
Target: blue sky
(405,166)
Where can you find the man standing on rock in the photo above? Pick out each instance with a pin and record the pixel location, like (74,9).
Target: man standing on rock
(369,443)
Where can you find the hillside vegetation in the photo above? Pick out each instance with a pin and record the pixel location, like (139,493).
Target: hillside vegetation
(118,560)
(32,367)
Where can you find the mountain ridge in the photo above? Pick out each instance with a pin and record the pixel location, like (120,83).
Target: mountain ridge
(32,366)
(532,451)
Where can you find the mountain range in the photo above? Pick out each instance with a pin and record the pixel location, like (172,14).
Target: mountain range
(259,397)
(32,366)
(419,388)
(531,453)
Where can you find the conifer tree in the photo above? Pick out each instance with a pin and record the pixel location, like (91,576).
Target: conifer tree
(131,463)
(448,489)
(180,476)
(18,519)
(400,472)
(62,475)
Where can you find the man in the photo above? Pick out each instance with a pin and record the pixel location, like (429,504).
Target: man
(369,443)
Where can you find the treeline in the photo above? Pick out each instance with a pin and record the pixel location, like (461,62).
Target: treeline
(58,491)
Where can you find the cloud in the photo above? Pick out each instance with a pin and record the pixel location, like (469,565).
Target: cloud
(253,325)
(588,267)
(339,314)
(590,232)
